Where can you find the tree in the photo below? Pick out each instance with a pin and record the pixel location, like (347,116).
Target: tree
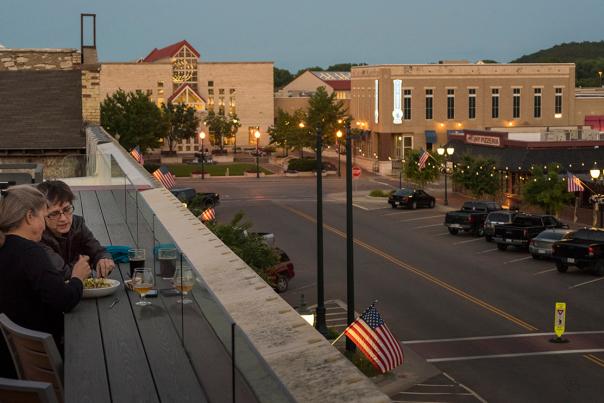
(314,68)
(281,77)
(221,126)
(428,174)
(282,130)
(181,123)
(478,175)
(250,247)
(344,66)
(546,189)
(135,118)
(324,111)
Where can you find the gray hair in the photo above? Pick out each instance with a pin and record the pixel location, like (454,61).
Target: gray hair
(15,203)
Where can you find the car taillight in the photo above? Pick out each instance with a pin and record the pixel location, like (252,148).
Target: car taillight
(591,250)
(471,218)
(531,242)
(525,232)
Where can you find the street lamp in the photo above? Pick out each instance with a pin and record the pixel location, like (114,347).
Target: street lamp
(257,135)
(600,74)
(447,153)
(598,198)
(235,121)
(321,323)
(350,346)
(202,136)
(339,136)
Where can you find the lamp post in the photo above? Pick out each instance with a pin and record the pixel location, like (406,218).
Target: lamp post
(321,323)
(257,135)
(339,136)
(600,74)
(202,136)
(447,153)
(235,121)
(350,346)
(598,198)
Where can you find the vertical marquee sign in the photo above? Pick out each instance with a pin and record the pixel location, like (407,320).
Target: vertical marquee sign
(376,112)
(397,112)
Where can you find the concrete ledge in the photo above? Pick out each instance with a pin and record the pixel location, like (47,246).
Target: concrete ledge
(302,360)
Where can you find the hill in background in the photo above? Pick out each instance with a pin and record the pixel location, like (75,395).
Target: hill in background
(588,56)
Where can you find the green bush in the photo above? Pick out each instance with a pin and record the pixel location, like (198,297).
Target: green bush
(150,167)
(302,165)
(379,193)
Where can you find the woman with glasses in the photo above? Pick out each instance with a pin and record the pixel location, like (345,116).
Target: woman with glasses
(33,293)
(66,236)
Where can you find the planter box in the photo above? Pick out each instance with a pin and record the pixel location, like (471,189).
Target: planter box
(306,173)
(222,158)
(171,159)
(322,173)
(253,174)
(292,174)
(332,172)
(198,175)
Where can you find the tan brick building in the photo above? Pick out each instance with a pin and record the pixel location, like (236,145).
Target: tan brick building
(416,106)
(177,74)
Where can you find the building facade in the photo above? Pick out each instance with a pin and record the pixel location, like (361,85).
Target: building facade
(177,74)
(409,107)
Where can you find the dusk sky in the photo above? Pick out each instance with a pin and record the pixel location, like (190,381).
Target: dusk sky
(308,33)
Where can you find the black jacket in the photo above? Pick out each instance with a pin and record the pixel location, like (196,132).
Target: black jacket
(33,293)
(64,251)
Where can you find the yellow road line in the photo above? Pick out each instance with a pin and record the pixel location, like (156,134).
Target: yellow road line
(420,273)
(595,360)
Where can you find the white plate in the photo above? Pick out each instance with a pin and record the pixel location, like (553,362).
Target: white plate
(101,292)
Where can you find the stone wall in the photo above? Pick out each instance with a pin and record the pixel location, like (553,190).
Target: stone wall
(91,95)
(55,166)
(38,59)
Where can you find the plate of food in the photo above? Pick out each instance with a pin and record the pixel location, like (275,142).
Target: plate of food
(99,287)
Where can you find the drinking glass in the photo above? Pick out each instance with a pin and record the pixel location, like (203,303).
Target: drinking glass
(183,281)
(137,259)
(142,282)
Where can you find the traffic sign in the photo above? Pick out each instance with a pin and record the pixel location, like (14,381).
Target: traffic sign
(560,319)
(356,172)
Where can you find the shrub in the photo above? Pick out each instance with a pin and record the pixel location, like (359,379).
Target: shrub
(150,167)
(302,165)
(379,193)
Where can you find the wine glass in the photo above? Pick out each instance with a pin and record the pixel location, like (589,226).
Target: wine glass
(183,281)
(142,282)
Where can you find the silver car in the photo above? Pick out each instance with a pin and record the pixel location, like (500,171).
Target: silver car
(541,245)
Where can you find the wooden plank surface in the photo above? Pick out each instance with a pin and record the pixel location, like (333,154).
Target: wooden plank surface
(174,376)
(130,378)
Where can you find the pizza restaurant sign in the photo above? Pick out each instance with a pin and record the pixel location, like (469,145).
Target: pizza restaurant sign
(492,141)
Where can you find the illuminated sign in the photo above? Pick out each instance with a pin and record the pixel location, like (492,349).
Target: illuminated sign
(483,140)
(376,112)
(560,319)
(397,112)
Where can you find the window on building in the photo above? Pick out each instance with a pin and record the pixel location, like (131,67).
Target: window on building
(516,103)
(251,130)
(407,104)
(210,83)
(160,84)
(429,104)
(450,103)
(232,105)
(149,93)
(210,91)
(558,102)
(196,140)
(537,103)
(231,91)
(179,148)
(403,146)
(188,148)
(188,141)
(195,148)
(211,104)
(495,103)
(472,103)
(160,101)
(221,91)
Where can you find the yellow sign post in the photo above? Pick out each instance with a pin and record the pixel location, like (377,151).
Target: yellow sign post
(559,322)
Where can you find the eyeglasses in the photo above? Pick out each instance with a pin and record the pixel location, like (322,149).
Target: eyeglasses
(67,211)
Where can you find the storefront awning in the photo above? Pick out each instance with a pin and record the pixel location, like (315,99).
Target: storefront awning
(430,137)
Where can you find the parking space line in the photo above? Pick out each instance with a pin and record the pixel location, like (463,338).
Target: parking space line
(361,207)
(486,251)
(518,260)
(428,226)
(443,234)
(513,355)
(595,360)
(422,218)
(544,271)
(587,282)
(468,241)
(400,212)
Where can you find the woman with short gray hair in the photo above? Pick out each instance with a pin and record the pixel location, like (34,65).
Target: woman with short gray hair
(33,293)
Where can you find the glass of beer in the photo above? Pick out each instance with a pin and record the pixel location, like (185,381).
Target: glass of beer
(142,282)
(183,281)
(167,262)
(137,259)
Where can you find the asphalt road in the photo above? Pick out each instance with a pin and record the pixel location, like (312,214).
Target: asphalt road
(449,298)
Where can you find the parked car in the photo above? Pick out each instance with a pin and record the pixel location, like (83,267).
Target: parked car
(523,228)
(280,274)
(471,217)
(497,218)
(584,249)
(186,195)
(411,198)
(541,246)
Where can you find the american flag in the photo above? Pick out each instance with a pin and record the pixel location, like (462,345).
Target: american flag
(164,175)
(374,339)
(137,155)
(423,159)
(208,215)
(573,183)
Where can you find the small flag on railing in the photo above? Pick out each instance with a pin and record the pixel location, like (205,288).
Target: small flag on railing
(371,335)
(573,183)
(423,159)
(164,175)
(208,215)
(137,155)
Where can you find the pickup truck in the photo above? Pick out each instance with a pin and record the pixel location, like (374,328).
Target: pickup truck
(471,217)
(186,195)
(523,228)
(584,249)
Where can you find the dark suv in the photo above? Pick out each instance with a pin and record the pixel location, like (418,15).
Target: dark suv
(496,218)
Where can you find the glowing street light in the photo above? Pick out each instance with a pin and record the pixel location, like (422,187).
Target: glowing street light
(202,136)
(257,135)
